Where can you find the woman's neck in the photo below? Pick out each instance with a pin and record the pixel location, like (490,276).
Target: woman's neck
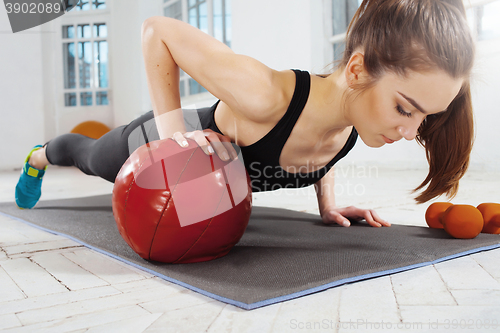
(332,112)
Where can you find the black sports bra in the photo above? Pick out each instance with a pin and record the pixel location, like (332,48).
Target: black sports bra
(261,158)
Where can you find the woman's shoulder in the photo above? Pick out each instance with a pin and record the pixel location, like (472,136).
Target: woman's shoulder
(273,103)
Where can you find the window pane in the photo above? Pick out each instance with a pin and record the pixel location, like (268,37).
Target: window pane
(193,16)
(101,63)
(192,3)
(70,99)
(70,4)
(83,5)
(218,24)
(100,30)
(195,87)
(85,63)
(99,4)
(338,50)
(69,65)
(83,31)
(174,10)
(85,98)
(101,98)
(182,90)
(203,17)
(228,23)
(489,25)
(68,31)
(342,13)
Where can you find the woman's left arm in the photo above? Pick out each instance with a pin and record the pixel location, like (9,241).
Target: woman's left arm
(330,213)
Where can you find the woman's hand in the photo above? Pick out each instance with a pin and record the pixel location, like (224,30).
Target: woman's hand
(331,215)
(209,141)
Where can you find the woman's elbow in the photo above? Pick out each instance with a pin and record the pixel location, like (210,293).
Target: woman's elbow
(151,24)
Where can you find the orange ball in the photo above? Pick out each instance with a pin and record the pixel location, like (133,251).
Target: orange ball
(93,129)
(491,217)
(463,221)
(434,214)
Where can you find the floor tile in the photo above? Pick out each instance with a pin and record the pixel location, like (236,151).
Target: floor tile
(149,283)
(84,320)
(192,319)
(9,291)
(421,286)
(304,311)
(9,321)
(47,301)
(232,319)
(32,279)
(40,246)
(104,268)
(471,271)
(447,314)
(58,312)
(370,300)
(132,325)
(70,274)
(182,299)
(489,260)
(477,297)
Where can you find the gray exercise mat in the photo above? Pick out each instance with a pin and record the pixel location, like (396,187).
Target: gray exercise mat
(283,254)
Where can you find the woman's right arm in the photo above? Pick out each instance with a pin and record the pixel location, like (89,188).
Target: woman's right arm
(243,83)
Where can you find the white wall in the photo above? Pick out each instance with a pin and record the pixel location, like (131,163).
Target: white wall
(485,94)
(281,34)
(21,93)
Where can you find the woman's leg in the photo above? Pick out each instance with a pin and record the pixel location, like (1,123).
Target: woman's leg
(102,157)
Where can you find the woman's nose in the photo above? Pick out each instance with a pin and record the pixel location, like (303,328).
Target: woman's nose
(408,132)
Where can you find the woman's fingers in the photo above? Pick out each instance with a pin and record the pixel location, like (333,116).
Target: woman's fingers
(180,139)
(221,148)
(202,141)
(369,218)
(379,219)
(373,218)
(335,217)
(210,142)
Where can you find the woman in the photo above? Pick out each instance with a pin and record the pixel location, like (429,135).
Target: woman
(404,74)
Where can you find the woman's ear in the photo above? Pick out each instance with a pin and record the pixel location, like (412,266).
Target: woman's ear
(355,69)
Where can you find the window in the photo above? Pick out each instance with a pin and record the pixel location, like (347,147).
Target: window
(85,64)
(483,20)
(90,5)
(210,16)
(342,13)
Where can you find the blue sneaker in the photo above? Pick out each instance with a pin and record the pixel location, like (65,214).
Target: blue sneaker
(29,186)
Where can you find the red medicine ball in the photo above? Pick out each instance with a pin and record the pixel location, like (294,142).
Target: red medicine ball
(179,205)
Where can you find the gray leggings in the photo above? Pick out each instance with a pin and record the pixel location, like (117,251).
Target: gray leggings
(105,156)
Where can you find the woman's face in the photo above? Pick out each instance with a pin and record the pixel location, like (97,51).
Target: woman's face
(395,106)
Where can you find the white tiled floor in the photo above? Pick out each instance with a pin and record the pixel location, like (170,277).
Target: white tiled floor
(52,284)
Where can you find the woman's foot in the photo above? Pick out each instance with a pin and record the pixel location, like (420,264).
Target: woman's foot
(29,186)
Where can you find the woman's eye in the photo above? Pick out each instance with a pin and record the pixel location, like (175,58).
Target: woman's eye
(402,112)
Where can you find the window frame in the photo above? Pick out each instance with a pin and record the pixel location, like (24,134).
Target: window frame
(337,38)
(73,17)
(476,10)
(185,80)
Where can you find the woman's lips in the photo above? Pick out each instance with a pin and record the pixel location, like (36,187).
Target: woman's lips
(387,140)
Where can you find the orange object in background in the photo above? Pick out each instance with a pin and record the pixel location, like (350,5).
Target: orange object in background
(434,214)
(93,129)
(463,221)
(491,217)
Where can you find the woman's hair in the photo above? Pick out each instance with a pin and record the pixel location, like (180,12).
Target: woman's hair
(422,35)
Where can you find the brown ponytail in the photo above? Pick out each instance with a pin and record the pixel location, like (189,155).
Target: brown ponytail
(423,35)
(448,140)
